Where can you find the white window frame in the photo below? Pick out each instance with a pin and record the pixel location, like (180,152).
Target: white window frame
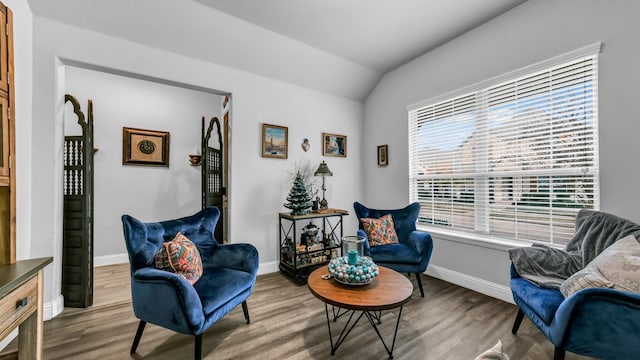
(480,231)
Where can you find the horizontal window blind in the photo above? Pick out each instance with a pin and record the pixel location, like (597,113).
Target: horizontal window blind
(516,159)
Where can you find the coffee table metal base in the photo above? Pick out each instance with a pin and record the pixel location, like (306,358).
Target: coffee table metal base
(372,316)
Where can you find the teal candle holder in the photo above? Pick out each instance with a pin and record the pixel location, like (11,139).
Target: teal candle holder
(353,248)
(362,273)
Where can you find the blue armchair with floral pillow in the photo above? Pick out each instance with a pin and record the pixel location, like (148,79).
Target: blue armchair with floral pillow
(182,279)
(391,239)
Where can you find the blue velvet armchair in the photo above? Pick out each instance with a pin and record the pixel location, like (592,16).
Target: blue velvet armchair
(602,323)
(412,253)
(168,300)
(598,322)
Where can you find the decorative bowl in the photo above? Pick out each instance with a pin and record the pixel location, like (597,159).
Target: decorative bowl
(362,273)
(195,160)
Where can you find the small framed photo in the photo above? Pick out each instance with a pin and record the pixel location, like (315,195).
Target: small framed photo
(334,145)
(275,141)
(383,155)
(145,147)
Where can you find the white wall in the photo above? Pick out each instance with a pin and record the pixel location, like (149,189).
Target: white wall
(258,186)
(531,32)
(148,193)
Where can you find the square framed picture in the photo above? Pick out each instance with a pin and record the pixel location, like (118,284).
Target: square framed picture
(383,155)
(334,145)
(275,141)
(145,147)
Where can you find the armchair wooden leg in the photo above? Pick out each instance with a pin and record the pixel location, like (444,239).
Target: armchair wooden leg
(420,284)
(516,324)
(245,310)
(558,354)
(198,347)
(136,340)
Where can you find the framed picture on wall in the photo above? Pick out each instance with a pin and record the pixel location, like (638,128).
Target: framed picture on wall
(275,141)
(334,145)
(145,147)
(383,155)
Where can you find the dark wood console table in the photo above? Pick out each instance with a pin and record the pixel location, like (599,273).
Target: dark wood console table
(21,302)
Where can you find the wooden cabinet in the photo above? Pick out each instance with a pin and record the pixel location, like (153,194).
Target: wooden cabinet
(18,305)
(4,141)
(21,306)
(21,282)
(4,50)
(7,141)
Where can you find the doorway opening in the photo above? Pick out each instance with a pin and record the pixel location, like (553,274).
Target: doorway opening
(149,193)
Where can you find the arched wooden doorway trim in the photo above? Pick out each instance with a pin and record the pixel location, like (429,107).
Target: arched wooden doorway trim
(213,165)
(77,228)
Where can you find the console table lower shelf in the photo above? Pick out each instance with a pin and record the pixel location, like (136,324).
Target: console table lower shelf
(389,290)
(21,302)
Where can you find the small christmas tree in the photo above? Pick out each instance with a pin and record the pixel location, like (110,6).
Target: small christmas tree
(298,200)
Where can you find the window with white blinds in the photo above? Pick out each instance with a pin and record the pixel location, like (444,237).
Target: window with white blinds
(515,158)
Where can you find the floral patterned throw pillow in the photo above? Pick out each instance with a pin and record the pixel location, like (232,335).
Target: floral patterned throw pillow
(380,231)
(180,256)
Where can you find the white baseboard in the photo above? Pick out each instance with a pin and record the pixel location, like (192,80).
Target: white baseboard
(53,308)
(110,259)
(268,268)
(12,335)
(482,286)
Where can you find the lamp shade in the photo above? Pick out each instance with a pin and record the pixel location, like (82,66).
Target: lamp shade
(323,170)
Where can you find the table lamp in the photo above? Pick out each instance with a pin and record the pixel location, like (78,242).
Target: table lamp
(323,171)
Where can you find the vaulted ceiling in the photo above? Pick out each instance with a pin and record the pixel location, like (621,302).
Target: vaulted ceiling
(336,46)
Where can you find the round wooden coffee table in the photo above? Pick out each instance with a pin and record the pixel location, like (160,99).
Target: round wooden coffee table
(389,290)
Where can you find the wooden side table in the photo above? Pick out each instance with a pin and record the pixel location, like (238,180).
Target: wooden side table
(389,290)
(21,301)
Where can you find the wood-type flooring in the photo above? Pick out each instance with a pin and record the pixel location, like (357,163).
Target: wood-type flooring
(288,323)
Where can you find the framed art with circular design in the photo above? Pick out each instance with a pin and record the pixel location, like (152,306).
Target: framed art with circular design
(145,147)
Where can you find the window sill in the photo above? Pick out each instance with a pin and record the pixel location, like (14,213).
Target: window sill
(486,241)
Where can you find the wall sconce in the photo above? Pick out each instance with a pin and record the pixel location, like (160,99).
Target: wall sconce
(195,159)
(323,171)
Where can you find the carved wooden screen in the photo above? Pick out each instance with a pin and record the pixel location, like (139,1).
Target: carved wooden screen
(213,190)
(77,229)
